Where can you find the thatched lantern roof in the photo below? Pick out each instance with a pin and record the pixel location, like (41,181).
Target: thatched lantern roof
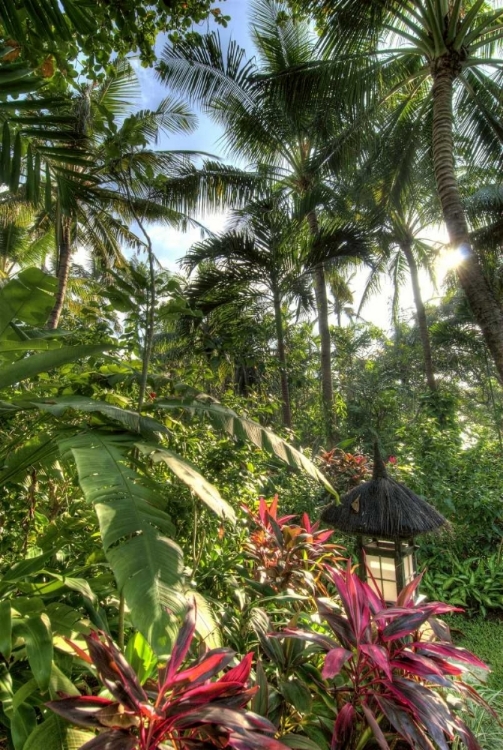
(383,508)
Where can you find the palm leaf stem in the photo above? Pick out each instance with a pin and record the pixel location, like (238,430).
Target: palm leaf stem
(422,323)
(280,336)
(150,295)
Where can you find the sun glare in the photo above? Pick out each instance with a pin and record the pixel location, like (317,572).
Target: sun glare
(448,259)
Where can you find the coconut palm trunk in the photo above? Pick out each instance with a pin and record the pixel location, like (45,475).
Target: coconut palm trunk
(280,336)
(63,272)
(483,304)
(320,291)
(421,315)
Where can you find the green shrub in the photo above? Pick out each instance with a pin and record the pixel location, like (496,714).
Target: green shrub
(474,583)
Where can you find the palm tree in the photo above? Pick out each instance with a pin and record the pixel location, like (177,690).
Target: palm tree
(94,203)
(439,63)
(339,282)
(88,169)
(92,174)
(399,203)
(404,253)
(297,148)
(257,257)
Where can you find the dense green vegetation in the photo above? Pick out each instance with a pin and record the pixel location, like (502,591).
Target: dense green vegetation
(168,440)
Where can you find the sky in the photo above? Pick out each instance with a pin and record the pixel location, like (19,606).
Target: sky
(170,245)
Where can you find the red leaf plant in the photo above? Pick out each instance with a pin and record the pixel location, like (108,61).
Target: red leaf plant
(187,709)
(345,470)
(287,555)
(392,667)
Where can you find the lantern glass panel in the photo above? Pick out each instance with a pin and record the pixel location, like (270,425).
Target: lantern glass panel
(383,570)
(409,566)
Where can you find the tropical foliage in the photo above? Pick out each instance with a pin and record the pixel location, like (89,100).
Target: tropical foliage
(150,595)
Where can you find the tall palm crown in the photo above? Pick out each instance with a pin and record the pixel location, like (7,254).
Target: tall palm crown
(297,147)
(94,203)
(90,170)
(436,64)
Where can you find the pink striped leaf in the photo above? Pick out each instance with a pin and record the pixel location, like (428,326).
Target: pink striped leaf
(81,710)
(378,655)
(343,727)
(376,729)
(334,661)
(211,663)
(449,651)
(182,643)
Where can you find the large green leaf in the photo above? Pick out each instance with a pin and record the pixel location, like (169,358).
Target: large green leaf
(128,419)
(206,626)
(25,568)
(6,690)
(66,620)
(245,429)
(29,298)
(37,363)
(60,683)
(25,691)
(23,722)
(56,734)
(75,584)
(141,657)
(38,638)
(10,351)
(147,564)
(188,474)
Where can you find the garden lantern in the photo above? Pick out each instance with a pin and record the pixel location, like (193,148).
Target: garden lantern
(385,516)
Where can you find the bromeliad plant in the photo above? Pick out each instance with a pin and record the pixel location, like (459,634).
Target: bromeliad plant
(391,669)
(286,555)
(187,708)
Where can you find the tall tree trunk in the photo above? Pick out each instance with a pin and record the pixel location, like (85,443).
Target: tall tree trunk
(483,304)
(327,391)
(421,315)
(285,390)
(62,273)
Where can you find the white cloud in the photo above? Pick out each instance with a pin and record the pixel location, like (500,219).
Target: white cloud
(170,245)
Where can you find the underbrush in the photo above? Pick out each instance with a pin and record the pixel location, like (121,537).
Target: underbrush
(485,638)
(485,727)
(474,583)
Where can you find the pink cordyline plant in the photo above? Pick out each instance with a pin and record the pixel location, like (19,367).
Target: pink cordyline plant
(187,709)
(393,667)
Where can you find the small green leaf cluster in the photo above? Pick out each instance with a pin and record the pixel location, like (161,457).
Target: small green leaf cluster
(474,583)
